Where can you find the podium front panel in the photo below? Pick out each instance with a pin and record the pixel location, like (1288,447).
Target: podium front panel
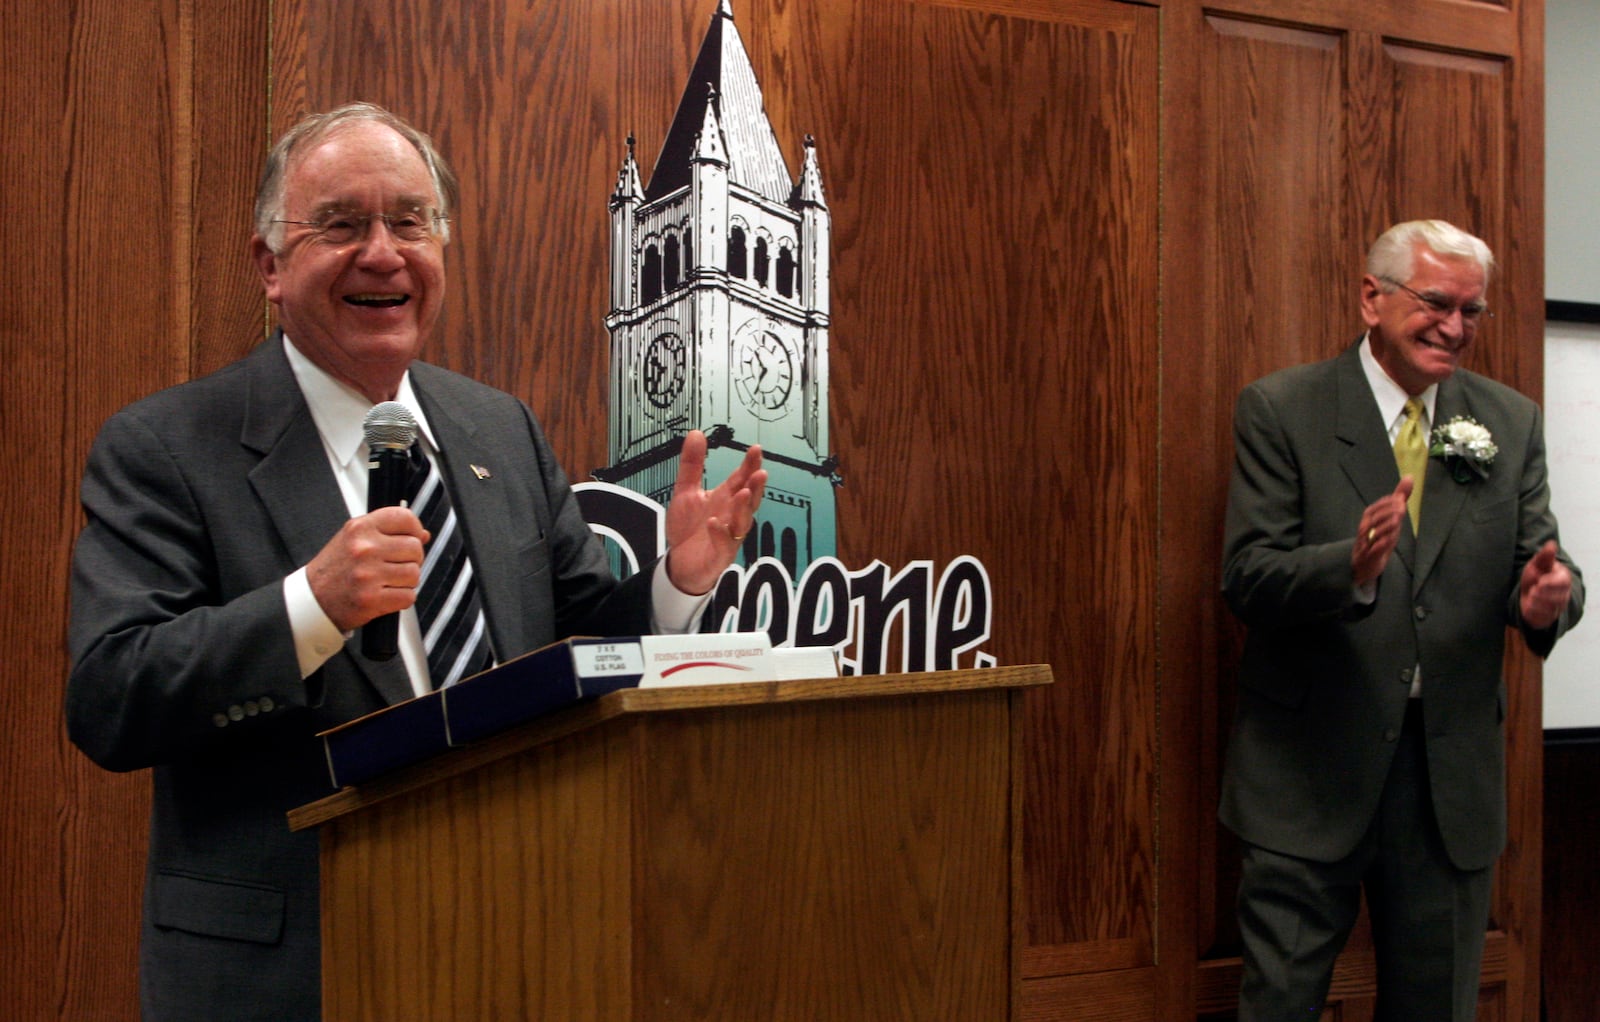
(844,861)
(763,854)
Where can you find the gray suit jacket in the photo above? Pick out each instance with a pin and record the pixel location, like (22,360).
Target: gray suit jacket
(200,499)
(1324,679)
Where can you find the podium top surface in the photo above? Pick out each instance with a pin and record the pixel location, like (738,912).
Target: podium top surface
(642,701)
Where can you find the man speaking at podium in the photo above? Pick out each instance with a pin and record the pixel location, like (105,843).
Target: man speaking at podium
(229,561)
(1377,582)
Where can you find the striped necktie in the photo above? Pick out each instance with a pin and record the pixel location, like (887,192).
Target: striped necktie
(1411,457)
(448,607)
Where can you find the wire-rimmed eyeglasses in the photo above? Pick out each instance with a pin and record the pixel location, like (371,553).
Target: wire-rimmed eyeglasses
(342,226)
(1439,308)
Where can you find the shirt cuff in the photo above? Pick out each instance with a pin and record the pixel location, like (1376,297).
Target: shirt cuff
(316,637)
(673,611)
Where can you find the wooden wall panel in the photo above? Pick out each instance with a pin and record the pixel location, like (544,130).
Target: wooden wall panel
(1275,114)
(118,247)
(67,273)
(1449,136)
(222,313)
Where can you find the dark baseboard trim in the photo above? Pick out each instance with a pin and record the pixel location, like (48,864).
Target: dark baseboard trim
(1572,312)
(1571,736)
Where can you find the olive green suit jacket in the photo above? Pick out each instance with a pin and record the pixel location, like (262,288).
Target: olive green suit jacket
(1324,678)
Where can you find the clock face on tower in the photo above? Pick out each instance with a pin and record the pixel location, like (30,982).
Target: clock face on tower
(662,373)
(763,371)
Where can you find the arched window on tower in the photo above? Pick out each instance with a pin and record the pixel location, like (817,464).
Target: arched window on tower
(761,261)
(736,254)
(789,553)
(650,278)
(786,271)
(671,273)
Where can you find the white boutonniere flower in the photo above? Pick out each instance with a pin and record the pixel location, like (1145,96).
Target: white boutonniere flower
(1466,447)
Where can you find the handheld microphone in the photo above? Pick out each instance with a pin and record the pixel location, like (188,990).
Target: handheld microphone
(390,430)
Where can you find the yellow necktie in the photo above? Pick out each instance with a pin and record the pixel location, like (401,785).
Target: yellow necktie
(1411,457)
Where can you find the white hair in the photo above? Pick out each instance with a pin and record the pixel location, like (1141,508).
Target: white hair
(1393,256)
(316,127)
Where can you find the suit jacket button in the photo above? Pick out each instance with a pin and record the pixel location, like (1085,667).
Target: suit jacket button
(267,705)
(219,719)
(1405,676)
(1420,612)
(1390,734)
(236,712)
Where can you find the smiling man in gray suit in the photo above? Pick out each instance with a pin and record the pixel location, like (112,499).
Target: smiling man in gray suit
(228,562)
(1368,748)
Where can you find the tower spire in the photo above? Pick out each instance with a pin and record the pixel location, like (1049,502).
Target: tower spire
(751,151)
(629,187)
(708,143)
(808,191)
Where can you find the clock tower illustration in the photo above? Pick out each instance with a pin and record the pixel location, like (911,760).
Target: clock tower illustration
(719,308)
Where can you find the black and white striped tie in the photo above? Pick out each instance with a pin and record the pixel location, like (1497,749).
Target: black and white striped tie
(448,607)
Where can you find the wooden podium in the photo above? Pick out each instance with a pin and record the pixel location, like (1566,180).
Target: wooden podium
(844,849)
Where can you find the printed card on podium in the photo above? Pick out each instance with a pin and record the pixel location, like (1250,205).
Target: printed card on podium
(718,658)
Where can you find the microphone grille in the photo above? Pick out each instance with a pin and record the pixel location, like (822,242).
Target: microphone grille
(390,424)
